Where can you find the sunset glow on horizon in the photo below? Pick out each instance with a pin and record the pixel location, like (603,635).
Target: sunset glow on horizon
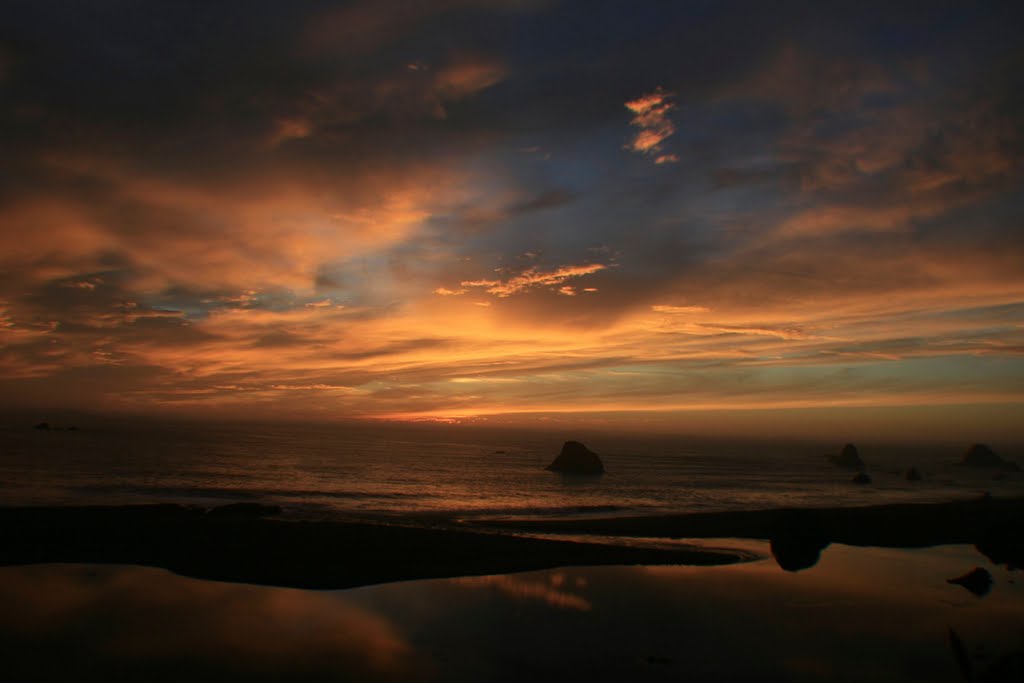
(499,210)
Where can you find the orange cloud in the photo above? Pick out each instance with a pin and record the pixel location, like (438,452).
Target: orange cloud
(535,277)
(651,116)
(468,77)
(550,593)
(307,240)
(276,232)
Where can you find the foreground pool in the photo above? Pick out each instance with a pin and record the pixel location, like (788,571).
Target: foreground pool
(859,614)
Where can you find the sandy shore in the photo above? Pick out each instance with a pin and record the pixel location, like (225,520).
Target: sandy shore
(240,544)
(244,547)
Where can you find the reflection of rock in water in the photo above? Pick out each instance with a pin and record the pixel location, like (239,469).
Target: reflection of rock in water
(978,581)
(796,552)
(1003,543)
(963,659)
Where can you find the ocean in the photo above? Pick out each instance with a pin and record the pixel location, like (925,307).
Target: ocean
(455,472)
(855,614)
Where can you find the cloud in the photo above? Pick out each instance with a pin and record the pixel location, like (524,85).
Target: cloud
(535,277)
(651,116)
(370,25)
(548,199)
(483,213)
(806,83)
(294,128)
(321,211)
(274,234)
(664,308)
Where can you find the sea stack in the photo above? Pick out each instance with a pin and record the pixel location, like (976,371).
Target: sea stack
(576,458)
(980,455)
(848,457)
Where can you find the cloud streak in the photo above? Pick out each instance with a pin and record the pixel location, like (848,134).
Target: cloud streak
(533,278)
(651,116)
(374,210)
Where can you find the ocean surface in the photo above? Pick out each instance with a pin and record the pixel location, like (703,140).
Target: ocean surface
(453,472)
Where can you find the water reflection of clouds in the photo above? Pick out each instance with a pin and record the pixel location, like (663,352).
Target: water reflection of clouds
(549,589)
(104,622)
(895,603)
(859,614)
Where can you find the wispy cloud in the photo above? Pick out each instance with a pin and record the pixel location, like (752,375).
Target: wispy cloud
(535,277)
(651,116)
(353,205)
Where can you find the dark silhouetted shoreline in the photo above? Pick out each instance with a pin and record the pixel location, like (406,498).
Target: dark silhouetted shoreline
(247,548)
(240,544)
(994,526)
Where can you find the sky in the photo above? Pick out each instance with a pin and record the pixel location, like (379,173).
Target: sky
(719,216)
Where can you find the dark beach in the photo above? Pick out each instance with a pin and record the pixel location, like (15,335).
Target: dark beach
(996,526)
(239,545)
(242,544)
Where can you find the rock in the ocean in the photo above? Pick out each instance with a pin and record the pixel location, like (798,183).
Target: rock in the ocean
(848,457)
(576,458)
(43,425)
(912,474)
(978,581)
(861,478)
(980,455)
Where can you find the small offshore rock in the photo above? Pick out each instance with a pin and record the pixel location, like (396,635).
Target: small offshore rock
(861,478)
(981,456)
(848,457)
(576,458)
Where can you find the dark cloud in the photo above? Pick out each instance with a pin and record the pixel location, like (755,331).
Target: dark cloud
(271,198)
(546,200)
